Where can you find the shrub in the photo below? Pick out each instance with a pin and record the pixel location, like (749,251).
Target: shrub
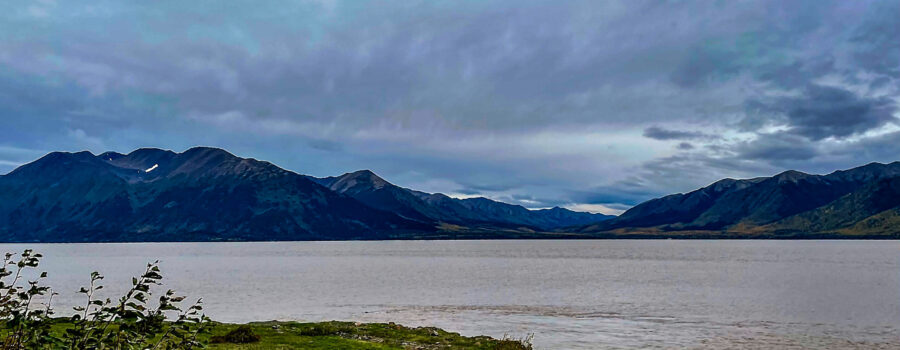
(241,335)
(509,343)
(128,323)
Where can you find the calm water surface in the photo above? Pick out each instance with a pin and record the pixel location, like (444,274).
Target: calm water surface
(570,294)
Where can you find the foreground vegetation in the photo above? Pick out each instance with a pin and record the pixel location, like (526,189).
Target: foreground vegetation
(334,335)
(135,321)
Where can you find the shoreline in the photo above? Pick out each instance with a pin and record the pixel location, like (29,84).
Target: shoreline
(610,237)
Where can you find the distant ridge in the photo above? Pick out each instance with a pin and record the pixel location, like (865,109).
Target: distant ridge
(858,202)
(374,191)
(209,194)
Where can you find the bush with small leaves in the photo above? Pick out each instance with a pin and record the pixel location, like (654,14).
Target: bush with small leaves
(510,343)
(25,324)
(128,323)
(241,335)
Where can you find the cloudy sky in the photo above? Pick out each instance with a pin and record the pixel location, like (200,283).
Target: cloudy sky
(585,104)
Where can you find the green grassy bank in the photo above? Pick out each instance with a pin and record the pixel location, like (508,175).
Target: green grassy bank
(337,335)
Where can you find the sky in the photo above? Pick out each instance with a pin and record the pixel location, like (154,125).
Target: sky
(590,105)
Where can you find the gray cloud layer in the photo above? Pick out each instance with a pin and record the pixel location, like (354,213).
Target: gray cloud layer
(536,102)
(662,134)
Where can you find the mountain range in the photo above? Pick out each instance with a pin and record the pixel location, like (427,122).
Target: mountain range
(208,194)
(862,202)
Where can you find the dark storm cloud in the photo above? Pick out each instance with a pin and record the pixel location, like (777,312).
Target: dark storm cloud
(685,146)
(825,111)
(829,111)
(535,101)
(658,133)
(782,148)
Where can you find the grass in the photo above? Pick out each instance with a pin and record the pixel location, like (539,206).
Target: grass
(348,336)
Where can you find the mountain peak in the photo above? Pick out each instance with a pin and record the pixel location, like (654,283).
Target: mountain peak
(56,163)
(148,151)
(110,155)
(139,159)
(866,172)
(63,156)
(368,176)
(365,173)
(791,176)
(723,184)
(207,151)
(357,180)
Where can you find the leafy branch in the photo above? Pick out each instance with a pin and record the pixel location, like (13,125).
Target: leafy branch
(130,323)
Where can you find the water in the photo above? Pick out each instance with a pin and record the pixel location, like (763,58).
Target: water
(569,294)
